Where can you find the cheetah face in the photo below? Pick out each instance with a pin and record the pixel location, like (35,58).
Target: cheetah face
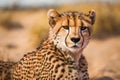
(71,30)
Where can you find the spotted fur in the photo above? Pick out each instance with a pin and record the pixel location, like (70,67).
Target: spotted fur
(60,56)
(6,70)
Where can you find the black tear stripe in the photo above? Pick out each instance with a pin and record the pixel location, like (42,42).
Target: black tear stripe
(81,33)
(67,33)
(82,37)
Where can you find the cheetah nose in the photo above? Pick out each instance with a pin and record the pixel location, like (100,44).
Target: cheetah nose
(75,40)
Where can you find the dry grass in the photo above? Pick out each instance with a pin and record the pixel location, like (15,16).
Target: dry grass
(103,55)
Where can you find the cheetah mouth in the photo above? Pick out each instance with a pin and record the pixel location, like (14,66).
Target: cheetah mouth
(75,46)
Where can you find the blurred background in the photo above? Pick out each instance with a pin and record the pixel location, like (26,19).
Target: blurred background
(23,24)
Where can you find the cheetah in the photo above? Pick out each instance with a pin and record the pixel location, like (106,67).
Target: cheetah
(6,69)
(60,55)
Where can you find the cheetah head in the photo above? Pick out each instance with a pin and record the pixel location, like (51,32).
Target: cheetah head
(70,31)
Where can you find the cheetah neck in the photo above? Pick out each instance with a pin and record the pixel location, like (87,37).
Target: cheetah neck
(74,57)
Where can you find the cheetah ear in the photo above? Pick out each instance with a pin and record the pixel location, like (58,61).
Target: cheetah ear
(52,17)
(92,16)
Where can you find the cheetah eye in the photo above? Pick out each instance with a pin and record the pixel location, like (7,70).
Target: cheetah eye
(66,27)
(83,28)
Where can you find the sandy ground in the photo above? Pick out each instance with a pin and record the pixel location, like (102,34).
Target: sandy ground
(104,58)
